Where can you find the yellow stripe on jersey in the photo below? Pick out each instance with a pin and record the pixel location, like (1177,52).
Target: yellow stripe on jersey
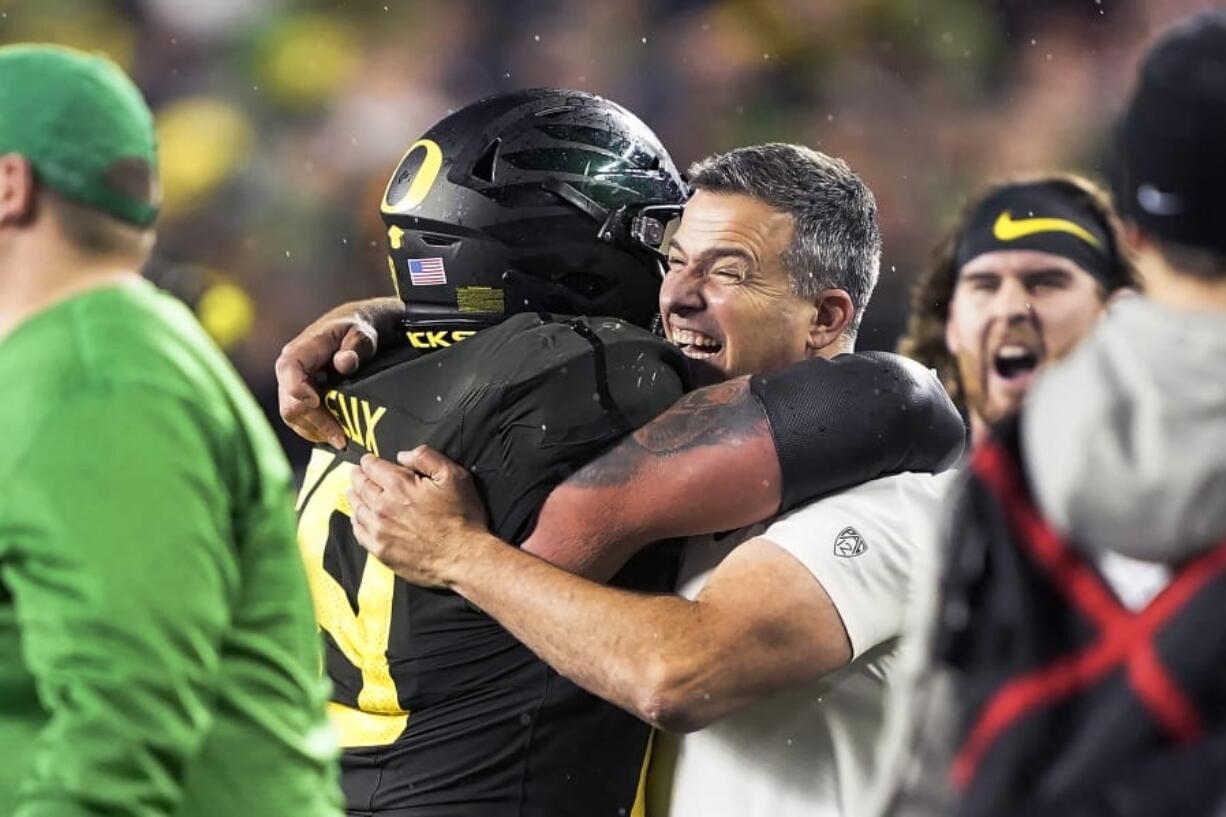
(316,468)
(362,638)
(356,728)
(640,794)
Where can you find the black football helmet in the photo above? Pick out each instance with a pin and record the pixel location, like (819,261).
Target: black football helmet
(539,200)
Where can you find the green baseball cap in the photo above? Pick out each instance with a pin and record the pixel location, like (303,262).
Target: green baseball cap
(83,126)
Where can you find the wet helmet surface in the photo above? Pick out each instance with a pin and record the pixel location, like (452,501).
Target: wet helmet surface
(538,200)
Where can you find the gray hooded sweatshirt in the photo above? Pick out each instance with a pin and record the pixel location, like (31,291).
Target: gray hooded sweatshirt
(1126,439)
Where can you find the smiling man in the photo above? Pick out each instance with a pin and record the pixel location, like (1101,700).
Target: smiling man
(729,301)
(1025,272)
(780,643)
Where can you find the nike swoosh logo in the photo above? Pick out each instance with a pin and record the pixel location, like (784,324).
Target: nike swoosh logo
(1008,228)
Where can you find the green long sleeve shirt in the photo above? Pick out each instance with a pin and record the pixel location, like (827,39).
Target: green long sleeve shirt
(157,649)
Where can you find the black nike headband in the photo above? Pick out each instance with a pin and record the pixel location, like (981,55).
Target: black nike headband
(1044,217)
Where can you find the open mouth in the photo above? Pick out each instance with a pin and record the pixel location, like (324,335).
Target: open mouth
(696,345)
(1013,361)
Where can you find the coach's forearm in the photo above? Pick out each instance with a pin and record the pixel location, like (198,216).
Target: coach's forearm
(644,653)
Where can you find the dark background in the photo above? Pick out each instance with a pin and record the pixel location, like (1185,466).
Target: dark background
(279,122)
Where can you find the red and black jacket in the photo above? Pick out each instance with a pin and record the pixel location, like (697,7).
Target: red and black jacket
(1069,702)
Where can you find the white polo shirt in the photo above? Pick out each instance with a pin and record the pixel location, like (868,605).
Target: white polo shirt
(810,751)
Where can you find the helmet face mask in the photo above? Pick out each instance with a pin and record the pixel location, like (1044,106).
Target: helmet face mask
(651,227)
(543,200)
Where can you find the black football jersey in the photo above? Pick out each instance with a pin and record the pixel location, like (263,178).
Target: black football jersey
(441,712)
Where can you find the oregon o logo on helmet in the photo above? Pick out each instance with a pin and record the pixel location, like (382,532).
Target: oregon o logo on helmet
(423,179)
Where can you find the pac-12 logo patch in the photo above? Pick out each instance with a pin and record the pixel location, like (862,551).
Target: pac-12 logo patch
(849,543)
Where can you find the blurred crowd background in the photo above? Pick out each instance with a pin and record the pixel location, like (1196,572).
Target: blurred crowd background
(280,120)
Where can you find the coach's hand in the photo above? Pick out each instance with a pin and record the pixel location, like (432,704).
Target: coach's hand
(418,518)
(338,342)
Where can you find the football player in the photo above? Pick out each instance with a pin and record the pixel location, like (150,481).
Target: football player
(514,209)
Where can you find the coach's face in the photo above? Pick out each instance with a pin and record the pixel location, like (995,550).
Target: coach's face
(726,300)
(1013,312)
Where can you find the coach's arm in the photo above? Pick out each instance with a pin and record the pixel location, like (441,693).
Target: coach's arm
(762,623)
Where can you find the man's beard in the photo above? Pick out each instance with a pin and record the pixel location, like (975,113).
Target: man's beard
(996,377)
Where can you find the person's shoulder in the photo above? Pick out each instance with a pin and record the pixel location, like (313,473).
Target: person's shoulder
(634,372)
(613,361)
(139,351)
(60,346)
(134,335)
(133,359)
(442,366)
(876,495)
(112,345)
(562,370)
(526,343)
(864,545)
(892,508)
(918,486)
(616,330)
(587,336)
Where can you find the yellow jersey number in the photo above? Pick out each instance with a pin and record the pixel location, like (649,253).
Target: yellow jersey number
(378,718)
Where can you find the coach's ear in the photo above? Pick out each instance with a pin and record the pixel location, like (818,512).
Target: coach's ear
(833,313)
(16,189)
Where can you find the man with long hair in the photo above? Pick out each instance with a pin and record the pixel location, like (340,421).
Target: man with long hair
(1027,268)
(1082,613)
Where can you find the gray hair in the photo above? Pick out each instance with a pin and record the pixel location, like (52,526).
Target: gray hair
(836,243)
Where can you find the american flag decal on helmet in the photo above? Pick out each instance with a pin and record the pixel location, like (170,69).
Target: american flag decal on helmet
(425,272)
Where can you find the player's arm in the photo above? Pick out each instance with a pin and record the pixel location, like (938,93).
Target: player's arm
(121,599)
(336,343)
(739,452)
(762,623)
(707,463)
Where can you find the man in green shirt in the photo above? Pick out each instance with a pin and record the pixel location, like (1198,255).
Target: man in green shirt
(158,654)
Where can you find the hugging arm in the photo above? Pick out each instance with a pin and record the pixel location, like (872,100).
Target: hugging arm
(706,464)
(739,452)
(337,343)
